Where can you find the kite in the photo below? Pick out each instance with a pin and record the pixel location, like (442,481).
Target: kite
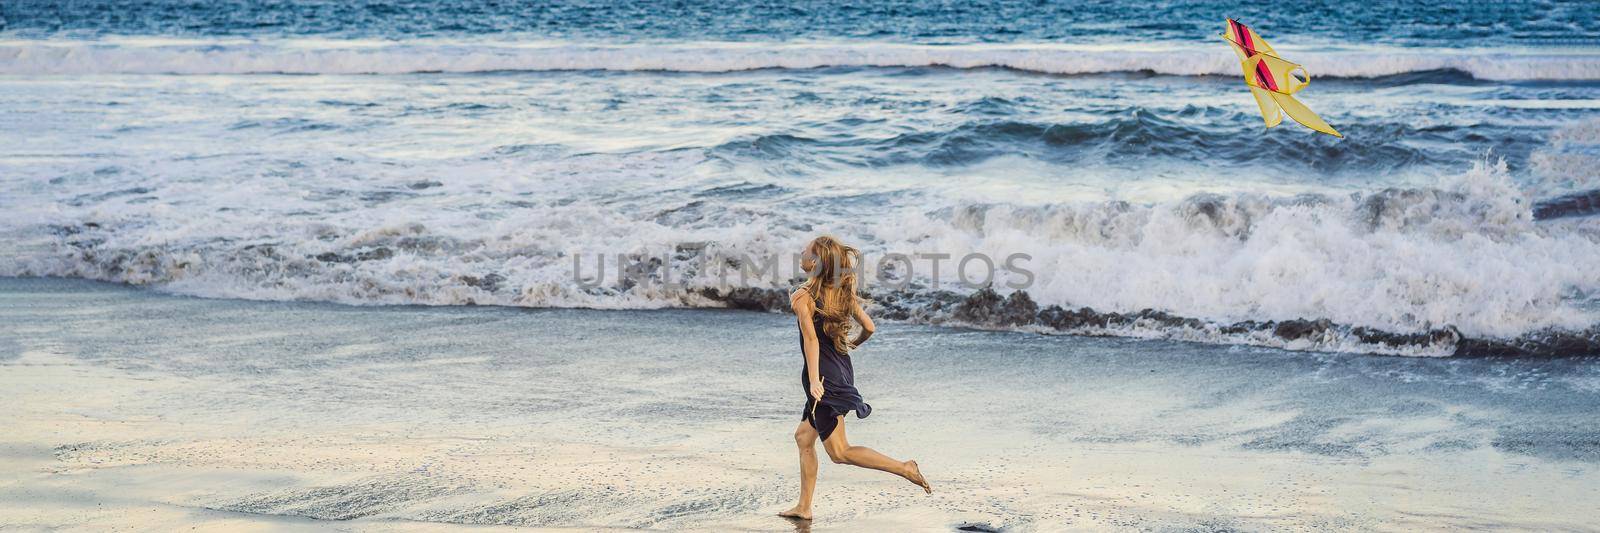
(1272,80)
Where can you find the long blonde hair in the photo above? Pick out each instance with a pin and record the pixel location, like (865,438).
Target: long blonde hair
(833,287)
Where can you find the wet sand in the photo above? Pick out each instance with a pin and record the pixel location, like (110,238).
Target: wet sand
(133,409)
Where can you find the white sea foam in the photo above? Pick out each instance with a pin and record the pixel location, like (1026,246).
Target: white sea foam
(1466,254)
(1569,163)
(165,56)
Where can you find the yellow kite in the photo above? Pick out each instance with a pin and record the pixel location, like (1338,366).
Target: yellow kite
(1272,80)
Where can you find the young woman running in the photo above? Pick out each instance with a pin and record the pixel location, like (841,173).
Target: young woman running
(824,307)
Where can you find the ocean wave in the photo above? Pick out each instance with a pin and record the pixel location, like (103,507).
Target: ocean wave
(1458,269)
(1197,134)
(310,56)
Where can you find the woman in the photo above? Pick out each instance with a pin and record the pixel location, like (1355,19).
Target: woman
(824,306)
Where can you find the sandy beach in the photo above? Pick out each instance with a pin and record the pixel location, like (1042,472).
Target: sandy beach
(131,409)
(421,265)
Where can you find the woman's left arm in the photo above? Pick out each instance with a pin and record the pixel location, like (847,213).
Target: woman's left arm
(866,325)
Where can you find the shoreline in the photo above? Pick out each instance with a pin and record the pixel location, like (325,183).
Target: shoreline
(145,410)
(986,310)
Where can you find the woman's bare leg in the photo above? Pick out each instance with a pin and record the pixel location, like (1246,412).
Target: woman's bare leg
(840,450)
(805,437)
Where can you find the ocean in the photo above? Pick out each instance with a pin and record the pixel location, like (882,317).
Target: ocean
(473,264)
(495,153)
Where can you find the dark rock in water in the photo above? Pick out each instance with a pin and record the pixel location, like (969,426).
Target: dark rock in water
(1116,320)
(913,304)
(1065,320)
(935,305)
(1300,329)
(489,282)
(1055,317)
(890,306)
(1019,309)
(1571,205)
(1585,343)
(1439,337)
(425,184)
(750,299)
(1163,319)
(1240,328)
(987,308)
(1490,348)
(375,254)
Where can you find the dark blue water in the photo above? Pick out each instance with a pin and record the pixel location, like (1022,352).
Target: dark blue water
(1465,24)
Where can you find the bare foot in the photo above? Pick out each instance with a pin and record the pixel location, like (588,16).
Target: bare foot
(914,475)
(796,513)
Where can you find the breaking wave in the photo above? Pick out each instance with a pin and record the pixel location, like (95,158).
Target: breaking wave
(314,56)
(1461,269)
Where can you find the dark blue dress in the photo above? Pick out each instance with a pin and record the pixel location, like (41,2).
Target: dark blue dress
(839,395)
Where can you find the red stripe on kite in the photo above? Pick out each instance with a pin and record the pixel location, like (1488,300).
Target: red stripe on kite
(1244,38)
(1263,74)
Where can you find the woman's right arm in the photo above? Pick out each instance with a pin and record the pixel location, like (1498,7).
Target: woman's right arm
(804,310)
(867,328)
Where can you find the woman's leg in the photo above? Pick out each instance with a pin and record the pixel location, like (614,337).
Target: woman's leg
(806,438)
(840,450)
